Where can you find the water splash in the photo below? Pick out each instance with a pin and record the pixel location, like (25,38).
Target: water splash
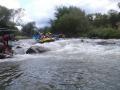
(67,47)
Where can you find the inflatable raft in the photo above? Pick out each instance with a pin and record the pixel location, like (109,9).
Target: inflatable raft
(46,40)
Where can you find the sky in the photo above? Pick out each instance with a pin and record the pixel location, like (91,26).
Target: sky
(41,11)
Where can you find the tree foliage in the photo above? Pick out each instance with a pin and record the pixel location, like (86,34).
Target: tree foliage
(100,20)
(73,22)
(70,21)
(6,17)
(104,33)
(16,16)
(29,29)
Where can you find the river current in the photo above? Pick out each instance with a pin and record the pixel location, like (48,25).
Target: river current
(70,64)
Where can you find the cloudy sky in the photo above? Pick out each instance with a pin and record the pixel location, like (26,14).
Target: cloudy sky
(43,10)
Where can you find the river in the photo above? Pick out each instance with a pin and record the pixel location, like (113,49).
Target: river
(69,65)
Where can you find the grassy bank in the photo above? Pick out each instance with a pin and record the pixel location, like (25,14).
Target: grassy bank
(22,37)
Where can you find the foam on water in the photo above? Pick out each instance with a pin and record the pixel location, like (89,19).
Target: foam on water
(69,65)
(66,47)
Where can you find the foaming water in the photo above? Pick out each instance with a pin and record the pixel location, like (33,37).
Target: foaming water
(65,47)
(71,64)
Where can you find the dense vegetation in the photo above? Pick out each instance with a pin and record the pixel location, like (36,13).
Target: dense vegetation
(71,21)
(11,18)
(28,29)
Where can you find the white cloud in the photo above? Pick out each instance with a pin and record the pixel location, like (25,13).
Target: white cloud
(10,3)
(42,10)
(15,4)
(102,6)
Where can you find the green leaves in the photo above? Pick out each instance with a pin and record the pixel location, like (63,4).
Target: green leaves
(7,16)
(70,21)
(104,33)
(29,29)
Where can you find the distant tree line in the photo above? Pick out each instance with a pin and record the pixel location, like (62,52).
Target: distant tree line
(71,21)
(74,22)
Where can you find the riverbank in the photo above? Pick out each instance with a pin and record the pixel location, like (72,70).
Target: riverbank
(21,37)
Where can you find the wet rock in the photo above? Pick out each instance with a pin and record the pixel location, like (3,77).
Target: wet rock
(2,56)
(82,40)
(36,49)
(105,43)
(18,47)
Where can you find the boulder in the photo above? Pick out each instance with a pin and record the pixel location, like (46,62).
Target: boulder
(18,47)
(36,49)
(82,40)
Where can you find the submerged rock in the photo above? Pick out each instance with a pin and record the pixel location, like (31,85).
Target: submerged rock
(18,47)
(36,49)
(105,43)
(82,40)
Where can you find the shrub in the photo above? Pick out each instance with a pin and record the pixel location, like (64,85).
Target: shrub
(104,33)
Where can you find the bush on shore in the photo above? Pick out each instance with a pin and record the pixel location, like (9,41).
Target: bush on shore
(104,33)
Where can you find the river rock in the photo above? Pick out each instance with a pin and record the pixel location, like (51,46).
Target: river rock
(18,47)
(105,43)
(36,49)
(2,56)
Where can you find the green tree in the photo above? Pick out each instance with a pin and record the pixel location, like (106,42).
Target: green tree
(114,18)
(99,20)
(71,21)
(6,17)
(29,29)
(16,16)
(61,11)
